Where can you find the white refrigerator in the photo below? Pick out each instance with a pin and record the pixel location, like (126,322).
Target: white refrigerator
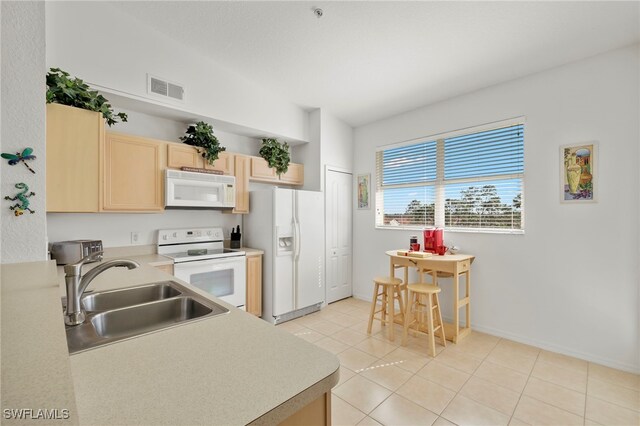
(288,225)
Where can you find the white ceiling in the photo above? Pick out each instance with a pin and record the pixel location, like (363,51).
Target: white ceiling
(364,61)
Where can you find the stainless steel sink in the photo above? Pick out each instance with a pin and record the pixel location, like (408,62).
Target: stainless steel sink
(116,315)
(115,299)
(147,317)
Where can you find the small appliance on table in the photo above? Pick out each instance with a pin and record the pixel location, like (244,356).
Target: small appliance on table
(201,260)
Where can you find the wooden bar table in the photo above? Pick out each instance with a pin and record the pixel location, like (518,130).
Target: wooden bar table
(449,265)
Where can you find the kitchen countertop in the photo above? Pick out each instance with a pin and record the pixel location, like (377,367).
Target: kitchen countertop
(229,369)
(252,251)
(36,372)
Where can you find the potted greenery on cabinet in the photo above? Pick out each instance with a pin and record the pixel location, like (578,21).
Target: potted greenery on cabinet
(276,154)
(61,89)
(201,136)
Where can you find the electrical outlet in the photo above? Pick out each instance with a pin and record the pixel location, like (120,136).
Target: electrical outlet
(135,237)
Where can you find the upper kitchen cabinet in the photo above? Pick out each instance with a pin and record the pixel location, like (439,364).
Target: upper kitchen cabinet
(293,176)
(90,170)
(242,165)
(75,142)
(261,172)
(224,163)
(182,155)
(133,173)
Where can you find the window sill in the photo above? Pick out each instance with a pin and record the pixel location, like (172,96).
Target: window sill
(454,230)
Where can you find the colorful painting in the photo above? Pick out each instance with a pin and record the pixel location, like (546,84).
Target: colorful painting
(578,172)
(363,191)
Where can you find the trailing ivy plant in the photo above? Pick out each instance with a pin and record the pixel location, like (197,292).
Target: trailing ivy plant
(62,89)
(201,136)
(276,154)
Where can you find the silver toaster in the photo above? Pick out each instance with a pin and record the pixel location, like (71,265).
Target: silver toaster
(66,252)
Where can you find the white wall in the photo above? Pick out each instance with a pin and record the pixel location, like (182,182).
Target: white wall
(337,142)
(23,125)
(309,154)
(142,124)
(331,144)
(114,229)
(117,51)
(570,283)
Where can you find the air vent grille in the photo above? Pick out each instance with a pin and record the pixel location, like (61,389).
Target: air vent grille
(159,87)
(175,91)
(163,88)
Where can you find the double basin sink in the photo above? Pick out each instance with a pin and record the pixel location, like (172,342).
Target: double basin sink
(116,315)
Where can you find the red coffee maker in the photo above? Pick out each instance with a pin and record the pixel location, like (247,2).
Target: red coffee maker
(433,239)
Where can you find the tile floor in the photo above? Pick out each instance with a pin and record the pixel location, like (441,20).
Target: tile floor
(483,380)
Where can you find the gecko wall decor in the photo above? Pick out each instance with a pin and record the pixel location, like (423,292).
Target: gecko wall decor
(22,198)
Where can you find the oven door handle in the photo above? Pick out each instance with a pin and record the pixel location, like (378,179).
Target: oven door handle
(211,265)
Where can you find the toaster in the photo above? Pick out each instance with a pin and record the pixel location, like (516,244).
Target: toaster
(66,252)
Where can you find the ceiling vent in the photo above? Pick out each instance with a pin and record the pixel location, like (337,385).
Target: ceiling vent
(162,88)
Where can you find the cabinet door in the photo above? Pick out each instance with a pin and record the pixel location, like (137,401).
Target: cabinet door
(133,179)
(242,166)
(294,176)
(254,285)
(260,170)
(224,163)
(75,139)
(182,155)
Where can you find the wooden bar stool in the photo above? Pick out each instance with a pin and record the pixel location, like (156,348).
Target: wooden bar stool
(389,290)
(423,301)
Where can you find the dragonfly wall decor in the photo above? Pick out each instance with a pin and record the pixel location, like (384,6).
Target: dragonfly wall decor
(21,158)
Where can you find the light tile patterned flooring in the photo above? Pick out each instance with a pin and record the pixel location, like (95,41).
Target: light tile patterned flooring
(483,380)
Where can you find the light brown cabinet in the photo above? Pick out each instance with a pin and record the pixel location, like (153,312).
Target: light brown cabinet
(254,285)
(293,176)
(224,163)
(133,173)
(90,170)
(242,166)
(261,172)
(75,142)
(182,155)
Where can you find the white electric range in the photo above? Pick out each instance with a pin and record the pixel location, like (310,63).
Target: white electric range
(200,259)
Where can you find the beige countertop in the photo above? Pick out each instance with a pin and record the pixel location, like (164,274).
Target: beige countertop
(229,369)
(36,372)
(252,251)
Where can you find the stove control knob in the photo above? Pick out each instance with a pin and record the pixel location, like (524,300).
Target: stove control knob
(165,237)
(175,235)
(209,233)
(198,233)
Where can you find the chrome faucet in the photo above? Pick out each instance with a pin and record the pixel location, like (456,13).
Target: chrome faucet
(77,284)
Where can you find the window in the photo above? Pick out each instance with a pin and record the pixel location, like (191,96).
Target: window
(468,180)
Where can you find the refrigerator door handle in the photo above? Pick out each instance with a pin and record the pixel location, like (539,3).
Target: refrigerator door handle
(296,225)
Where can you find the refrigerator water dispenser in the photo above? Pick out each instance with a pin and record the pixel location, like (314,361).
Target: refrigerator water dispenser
(285,245)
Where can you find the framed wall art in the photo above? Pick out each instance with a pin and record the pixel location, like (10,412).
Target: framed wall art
(364,186)
(579,173)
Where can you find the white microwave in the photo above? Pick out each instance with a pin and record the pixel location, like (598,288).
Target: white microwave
(204,190)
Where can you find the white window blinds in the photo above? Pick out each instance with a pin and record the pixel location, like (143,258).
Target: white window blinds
(470,181)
